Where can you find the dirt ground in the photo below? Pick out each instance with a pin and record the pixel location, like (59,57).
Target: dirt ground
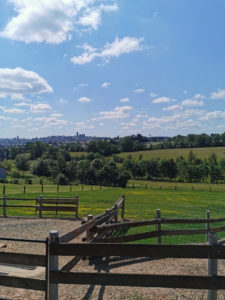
(39,228)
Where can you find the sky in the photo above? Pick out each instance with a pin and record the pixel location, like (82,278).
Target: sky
(111,67)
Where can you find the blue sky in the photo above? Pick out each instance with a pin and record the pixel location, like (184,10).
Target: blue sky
(111,67)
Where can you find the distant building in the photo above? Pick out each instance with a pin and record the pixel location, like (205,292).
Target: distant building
(3,173)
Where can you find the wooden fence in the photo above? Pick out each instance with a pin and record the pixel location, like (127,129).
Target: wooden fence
(98,243)
(41,205)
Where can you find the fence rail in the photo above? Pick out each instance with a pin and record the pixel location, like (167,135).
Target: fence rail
(42,205)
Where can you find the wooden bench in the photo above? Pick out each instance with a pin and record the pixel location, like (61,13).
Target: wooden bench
(57,204)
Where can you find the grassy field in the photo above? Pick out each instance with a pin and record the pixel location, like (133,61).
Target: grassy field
(140,204)
(174,153)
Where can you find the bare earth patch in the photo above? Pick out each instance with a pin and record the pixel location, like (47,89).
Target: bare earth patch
(39,228)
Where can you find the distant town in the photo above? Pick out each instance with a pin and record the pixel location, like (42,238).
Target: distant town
(61,139)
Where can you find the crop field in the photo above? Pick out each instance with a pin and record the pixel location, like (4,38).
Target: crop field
(140,204)
(174,153)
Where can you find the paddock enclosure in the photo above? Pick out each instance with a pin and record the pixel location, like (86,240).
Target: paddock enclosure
(102,240)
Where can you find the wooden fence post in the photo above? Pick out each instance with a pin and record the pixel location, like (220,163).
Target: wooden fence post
(40,206)
(42,188)
(89,233)
(53,265)
(158,226)
(3,192)
(212,265)
(123,209)
(146,186)
(107,212)
(4,206)
(116,216)
(76,203)
(207,225)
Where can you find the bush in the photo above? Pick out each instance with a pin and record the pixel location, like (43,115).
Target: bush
(28,181)
(62,179)
(15,174)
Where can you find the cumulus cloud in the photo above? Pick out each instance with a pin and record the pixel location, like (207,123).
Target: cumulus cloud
(105,85)
(40,108)
(173,107)
(83,125)
(11,110)
(53,21)
(161,100)
(126,99)
(153,95)
(84,99)
(115,49)
(192,103)
(51,122)
(17,82)
(119,112)
(139,91)
(63,101)
(213,115)
(220,94)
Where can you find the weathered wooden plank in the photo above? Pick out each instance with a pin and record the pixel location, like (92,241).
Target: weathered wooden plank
(23,283)
(15,205)
(140,280)
(49,201)
(58,208)
(129,238)
(135,250)
(65,238)
(20,258)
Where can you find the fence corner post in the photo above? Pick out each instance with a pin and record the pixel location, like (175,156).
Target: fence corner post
(123,208)
(158,226)
(4,206)
(207,225)
(89,233)
(77,204)
(53,265)
(212,264)
(40,206)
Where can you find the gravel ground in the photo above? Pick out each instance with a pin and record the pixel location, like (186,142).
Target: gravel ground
(39,228)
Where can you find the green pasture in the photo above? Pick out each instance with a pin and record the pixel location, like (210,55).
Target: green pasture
(174,153)
(140,204)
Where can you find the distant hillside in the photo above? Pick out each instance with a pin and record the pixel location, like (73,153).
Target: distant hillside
(174,153)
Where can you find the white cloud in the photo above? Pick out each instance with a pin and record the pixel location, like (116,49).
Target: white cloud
(105,84)
(139,91)
(126,99)
(17,82)
(192,103)
(83,125)
(22,104)
(84,99)
(83,84)
(63,101)
(56,115)
(53,21)
(153,95)
(199,96)
(220,94)
(173,107)
(161,100)
(213,115)
(120,112)
(40,108)
(11,110)
(101,124)
(114,49)
(51,122)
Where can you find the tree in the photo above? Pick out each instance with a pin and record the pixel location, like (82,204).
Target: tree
(22,162)
(41,168)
